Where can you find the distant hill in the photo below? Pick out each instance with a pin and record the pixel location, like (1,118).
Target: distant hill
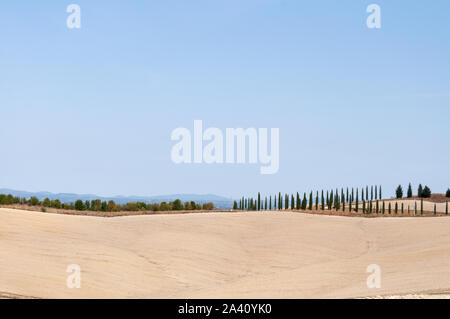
(219,201)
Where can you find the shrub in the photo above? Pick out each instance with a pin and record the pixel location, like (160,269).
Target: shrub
(34,201)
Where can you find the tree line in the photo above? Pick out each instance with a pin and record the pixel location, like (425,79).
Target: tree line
(349,199)
(366,200)
(422,192)
(104,206)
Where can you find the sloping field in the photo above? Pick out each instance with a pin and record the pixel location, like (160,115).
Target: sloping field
(270,254)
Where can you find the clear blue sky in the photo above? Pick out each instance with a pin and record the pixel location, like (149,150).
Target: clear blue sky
(92,110)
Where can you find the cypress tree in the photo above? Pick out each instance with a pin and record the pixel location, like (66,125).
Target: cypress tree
(304,203)
(389,208)
(376,192)
(323,201)
(409,193)
(317,200)
(350,206)
(327,200)
(292,202)
(364,206)
(384,208)
(279,201)
(446,208)
(396,208)
(298,201)
(435,208)
(408,210)
(381,195)
(265,203)
(310,201)
(420,191)
(286,201)
(415,208)
(377,206)
(331,200)
(367,192)
(371,192)
(370,207)
(399,191)
(259,201)
(353,197)
(347,195)
(275,202)
(270,202)
(362,194)
(357,200)
(402,208)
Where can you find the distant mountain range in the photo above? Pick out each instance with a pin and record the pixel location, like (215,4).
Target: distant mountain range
(219,201)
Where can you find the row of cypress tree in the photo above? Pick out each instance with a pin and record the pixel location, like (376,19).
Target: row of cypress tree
(330,200)
(333,199)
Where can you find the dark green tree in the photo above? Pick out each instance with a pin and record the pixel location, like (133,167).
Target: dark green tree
(420,191)
(323,201)
(426,192)
(304,203)
(259,201)
(357,201)
(310,201)
(336,202)
(79,204)
(399,191)
(317,200)
(409,193)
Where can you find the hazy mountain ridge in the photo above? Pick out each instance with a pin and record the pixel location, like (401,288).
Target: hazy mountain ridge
(219,201)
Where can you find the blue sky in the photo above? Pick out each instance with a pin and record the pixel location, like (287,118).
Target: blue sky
(91,110)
